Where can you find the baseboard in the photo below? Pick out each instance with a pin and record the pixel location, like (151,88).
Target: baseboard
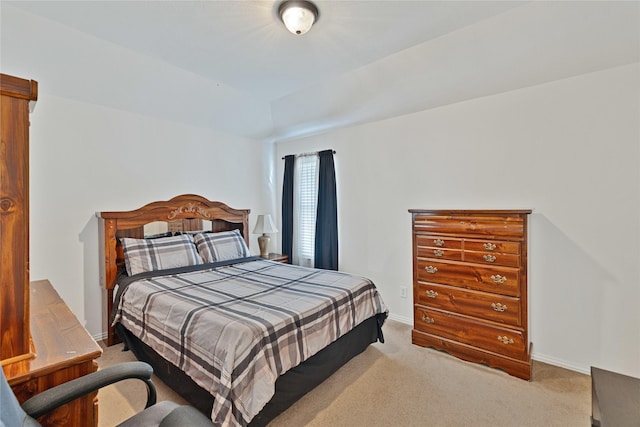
(401,319)
(100,337)
(561,363)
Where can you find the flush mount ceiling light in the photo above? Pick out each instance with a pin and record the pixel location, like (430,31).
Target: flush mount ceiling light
(298,16)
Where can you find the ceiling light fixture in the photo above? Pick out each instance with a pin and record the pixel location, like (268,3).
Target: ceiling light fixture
(298,16)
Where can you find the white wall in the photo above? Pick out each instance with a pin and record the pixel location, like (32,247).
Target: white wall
(569,150)
(86,159)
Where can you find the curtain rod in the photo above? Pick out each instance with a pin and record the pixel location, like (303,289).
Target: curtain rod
(310,153)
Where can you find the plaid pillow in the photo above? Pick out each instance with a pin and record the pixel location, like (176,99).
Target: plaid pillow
(142,255)
(221,246)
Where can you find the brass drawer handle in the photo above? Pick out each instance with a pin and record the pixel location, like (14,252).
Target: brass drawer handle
(498,307)
(438,242)
(489,246)
(432,294)
(505,339)
(427,319)
(498,279)
(431,269)
(489,258)
(438,252)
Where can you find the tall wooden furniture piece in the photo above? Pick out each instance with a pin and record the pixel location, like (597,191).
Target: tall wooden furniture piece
(15,96)
(470,285)
(43,344)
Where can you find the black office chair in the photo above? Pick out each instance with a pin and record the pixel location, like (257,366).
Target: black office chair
(163,414)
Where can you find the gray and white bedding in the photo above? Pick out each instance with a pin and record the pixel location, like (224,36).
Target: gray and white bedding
(235,326)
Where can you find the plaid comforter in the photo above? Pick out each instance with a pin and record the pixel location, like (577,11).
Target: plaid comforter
(235,328)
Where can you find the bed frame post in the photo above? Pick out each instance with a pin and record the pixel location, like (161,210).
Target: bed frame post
(109,270)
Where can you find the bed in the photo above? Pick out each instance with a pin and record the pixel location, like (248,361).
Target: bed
(238,336)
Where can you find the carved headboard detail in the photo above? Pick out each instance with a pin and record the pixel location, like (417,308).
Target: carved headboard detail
(187,212)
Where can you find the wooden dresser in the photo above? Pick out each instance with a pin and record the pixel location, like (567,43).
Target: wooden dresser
(470,285)
(64,350)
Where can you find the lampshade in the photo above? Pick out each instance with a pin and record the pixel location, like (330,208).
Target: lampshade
(264,225)
(298,16)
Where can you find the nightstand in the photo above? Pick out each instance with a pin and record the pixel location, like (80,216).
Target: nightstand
(277,257)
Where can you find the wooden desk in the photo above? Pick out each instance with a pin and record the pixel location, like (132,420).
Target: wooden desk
(615,399)
(64,351)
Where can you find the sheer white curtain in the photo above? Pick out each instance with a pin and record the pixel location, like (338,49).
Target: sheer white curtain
(305,202)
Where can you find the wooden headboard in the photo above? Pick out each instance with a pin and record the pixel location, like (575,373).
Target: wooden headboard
(184,213)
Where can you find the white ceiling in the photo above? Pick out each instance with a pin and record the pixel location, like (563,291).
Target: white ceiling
(362,61)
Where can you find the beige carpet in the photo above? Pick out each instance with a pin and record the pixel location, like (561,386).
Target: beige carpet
(400,384)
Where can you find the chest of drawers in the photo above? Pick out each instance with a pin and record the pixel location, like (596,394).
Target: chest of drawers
(470,285)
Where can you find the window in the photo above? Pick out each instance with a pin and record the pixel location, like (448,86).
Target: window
(305,202)
(310,210)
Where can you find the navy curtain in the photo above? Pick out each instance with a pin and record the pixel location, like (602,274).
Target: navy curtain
(287,207)
(326,248)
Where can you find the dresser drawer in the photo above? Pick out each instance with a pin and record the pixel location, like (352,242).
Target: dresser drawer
(489,225)
(450,254)
(502,340)
(492,246)
(435,241)
(498,308)
(492,258)
(501,280)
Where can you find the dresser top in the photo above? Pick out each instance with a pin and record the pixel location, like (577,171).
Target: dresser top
(58,338)
(472,211)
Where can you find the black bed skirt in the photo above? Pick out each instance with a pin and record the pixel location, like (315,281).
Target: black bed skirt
(290,386)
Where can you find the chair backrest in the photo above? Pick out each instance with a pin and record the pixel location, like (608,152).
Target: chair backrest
(11,413)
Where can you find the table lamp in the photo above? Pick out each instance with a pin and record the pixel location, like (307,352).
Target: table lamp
(263,226)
